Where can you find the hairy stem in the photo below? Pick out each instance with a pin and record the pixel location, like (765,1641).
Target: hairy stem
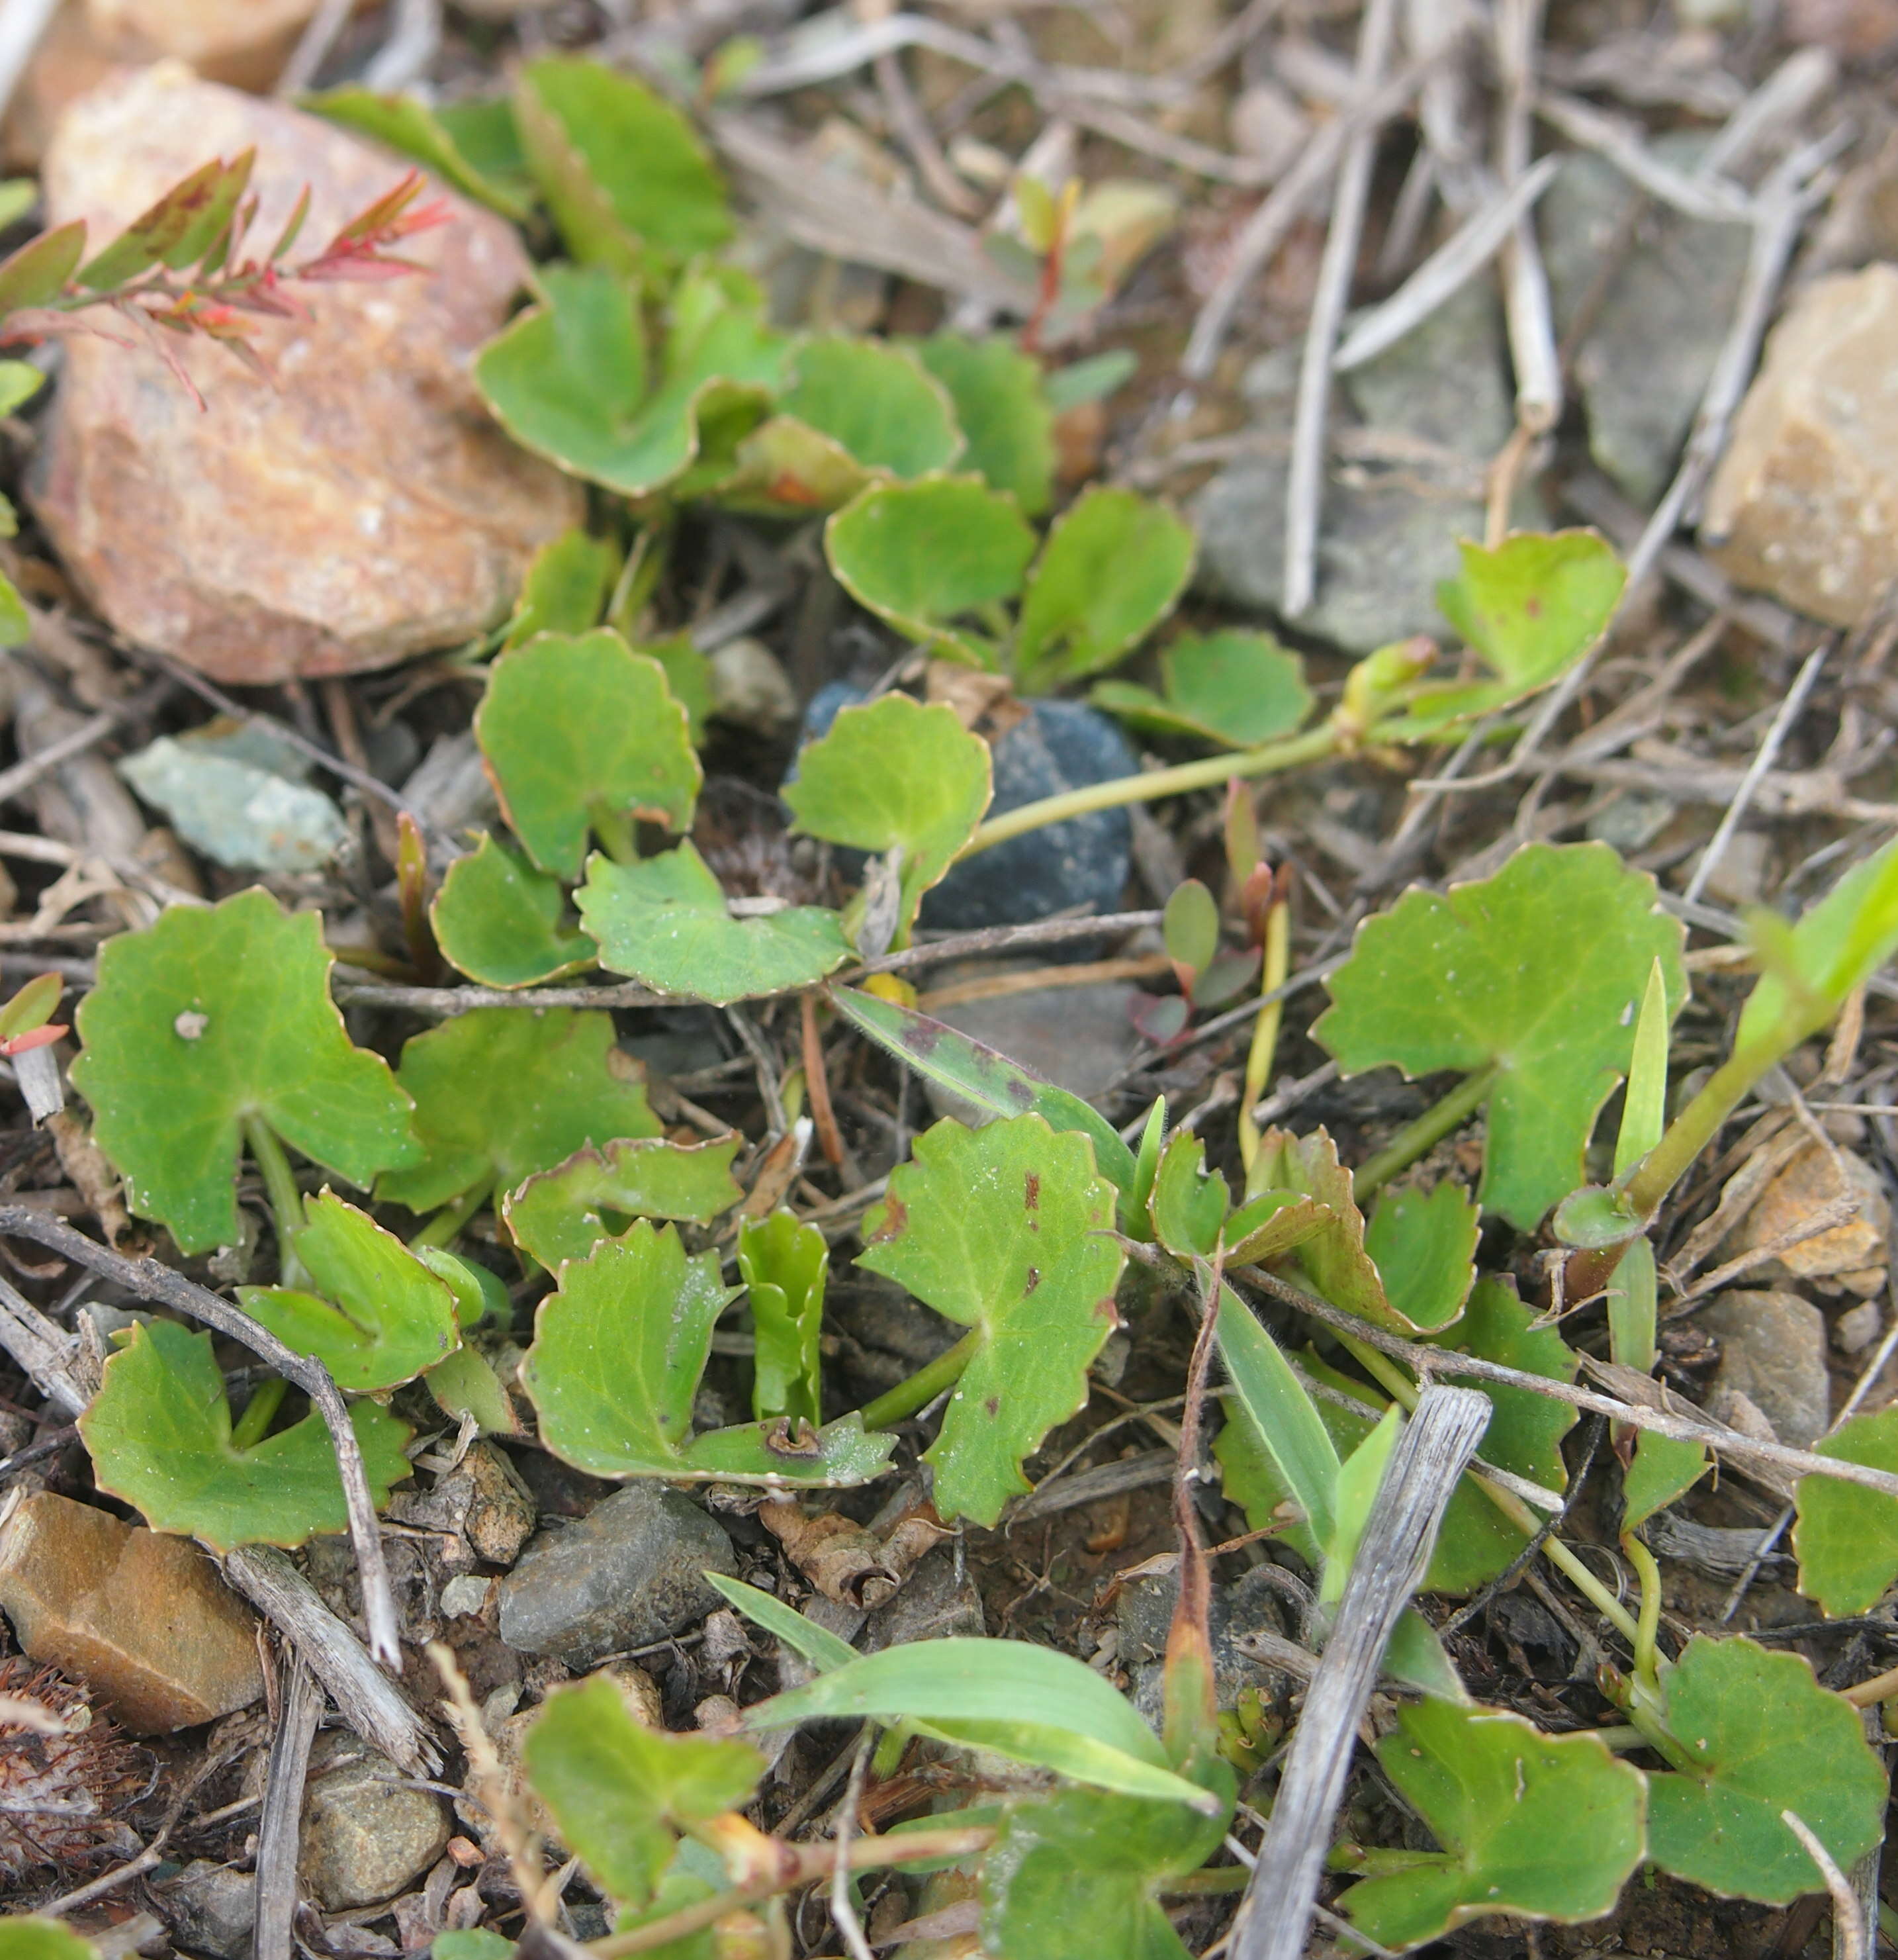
(898,1404)
(1312,746)
(286,1200)
(1417,1139)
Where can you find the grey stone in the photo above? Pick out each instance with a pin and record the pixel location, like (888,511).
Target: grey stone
(1446,381)
(1858,1327)
(1079,1037)
(212,1909)
(932,1605)
(1772,1350)
(365,1834)
(1385,540)
(1382,550)
(629,1572)
(1145,1613)
(1646,359)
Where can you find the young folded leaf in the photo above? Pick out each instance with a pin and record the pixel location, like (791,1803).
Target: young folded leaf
(374,1314)
(619,1346)
(159,1431)
(1547,1827)
(1008,1229)
(1535,974)
(211,1017)
(664,921)
(785,1265)
(567,1210)
(501,1094)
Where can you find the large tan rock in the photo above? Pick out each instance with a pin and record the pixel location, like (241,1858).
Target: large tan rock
(364,508)
(142,1619)
(241,41)
(1804,503)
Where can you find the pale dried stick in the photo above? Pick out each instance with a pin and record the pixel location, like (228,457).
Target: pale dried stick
(1465,253)
(1305,492)
(1280,1897)
(279,1830)
(1525,285)
(1266,229)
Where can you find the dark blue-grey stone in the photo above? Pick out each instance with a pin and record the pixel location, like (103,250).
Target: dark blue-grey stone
(1081,864)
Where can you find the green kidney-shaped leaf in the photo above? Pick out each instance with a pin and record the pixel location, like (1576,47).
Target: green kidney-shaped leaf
(1030,1703)
(895,773)
(502,1093)
(1761,1736)
(1549,1827)
(1114,568)
(565,589)
(1847,1536)
(1007,1229)
(408,126)
(785,1265)
(578,731)
(1003,413)
(983,1075)
(605,148)
(499,920)
(159,1432)
(619,1346)
(664,922)
(887,411)
(564,1212)
(209,1017)
(1536,603)
(925,556)
(1537,971)
(1424,1244)
(1074,1875)
(621,1792)
(1234,689)
(374,1314)
(567,379)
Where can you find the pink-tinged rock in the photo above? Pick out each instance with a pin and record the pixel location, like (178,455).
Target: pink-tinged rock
(1804,503)
(364,508)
